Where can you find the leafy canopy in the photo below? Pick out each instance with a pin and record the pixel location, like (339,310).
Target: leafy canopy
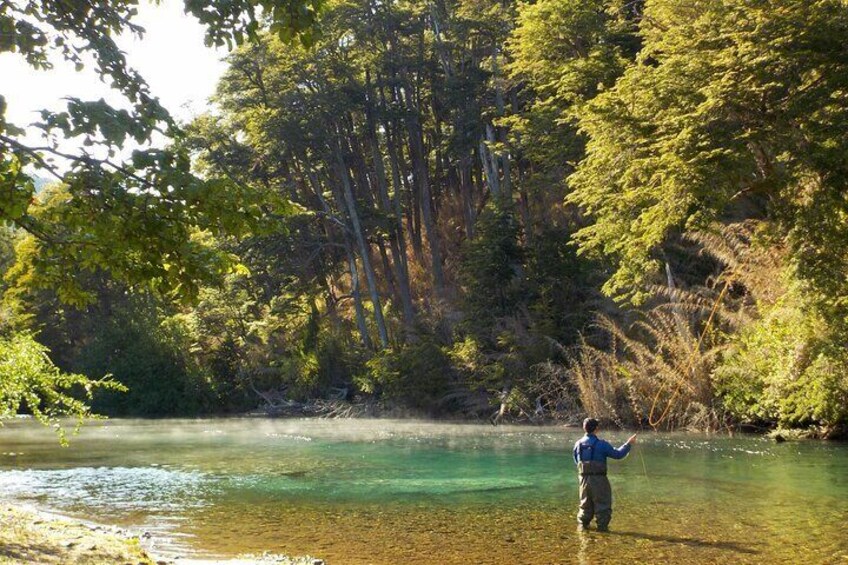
(135,217)
(732,107)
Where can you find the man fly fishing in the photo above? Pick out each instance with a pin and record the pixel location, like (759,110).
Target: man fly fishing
(590,456)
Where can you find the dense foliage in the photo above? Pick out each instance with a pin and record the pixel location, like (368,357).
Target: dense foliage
(135,216)
(495,209)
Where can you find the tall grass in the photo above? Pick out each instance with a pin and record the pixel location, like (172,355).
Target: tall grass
(657,369)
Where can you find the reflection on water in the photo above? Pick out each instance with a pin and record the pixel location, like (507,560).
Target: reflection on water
(408,492)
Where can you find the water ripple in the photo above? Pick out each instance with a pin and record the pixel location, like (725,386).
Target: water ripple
(119,488)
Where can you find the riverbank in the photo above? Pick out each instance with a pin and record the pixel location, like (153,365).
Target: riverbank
(29,536)
(340,409)
(32,536)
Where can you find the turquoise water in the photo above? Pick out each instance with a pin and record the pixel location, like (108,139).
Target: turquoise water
(379,491)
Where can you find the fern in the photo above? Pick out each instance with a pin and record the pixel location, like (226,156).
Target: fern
(658,369)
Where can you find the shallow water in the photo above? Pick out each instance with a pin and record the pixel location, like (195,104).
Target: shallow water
(378,491)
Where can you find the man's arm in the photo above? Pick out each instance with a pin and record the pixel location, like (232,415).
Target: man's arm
(574,452)
(619,453)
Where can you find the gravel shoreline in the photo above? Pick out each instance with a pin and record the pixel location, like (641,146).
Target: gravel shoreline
(30,535)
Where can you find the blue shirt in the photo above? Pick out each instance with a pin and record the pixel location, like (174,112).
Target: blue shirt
(598,450)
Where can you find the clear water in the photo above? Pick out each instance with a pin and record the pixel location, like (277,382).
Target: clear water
(377,491)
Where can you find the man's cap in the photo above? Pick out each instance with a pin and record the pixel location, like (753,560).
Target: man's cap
(590,425)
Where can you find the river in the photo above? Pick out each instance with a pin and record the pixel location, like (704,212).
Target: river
(386,491)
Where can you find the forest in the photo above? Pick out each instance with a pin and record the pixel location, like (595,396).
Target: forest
(482,209)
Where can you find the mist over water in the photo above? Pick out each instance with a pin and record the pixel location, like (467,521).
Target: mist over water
(382,491)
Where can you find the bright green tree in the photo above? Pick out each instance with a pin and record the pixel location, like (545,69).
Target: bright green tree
(134,217)
(732,108)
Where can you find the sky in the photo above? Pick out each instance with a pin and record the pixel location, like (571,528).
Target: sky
(180,70)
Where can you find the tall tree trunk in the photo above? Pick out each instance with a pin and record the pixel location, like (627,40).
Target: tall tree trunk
(357,297)
(506,181)
(422,175)
(391,282)
(401,187)
(679,316)
(413,215)
(465,186)
(396,229)
(481,192)
(489,162)
(524,206)
(363,247)
(359,310)
(418,154)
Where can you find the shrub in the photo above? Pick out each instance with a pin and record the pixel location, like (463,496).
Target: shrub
(152,360)
(413,376)
(789,368)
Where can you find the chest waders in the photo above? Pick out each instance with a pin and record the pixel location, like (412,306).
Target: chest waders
(595,490)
